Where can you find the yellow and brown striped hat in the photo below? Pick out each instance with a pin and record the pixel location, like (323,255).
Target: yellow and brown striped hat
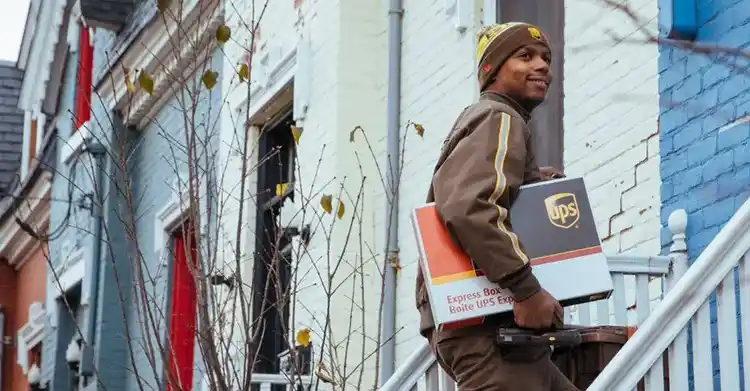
(495,43)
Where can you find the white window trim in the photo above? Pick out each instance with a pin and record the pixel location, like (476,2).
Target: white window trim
(76,143)
(69,273)
(30,334)
(166,221)
(279,74)
(171,214)
(274,70)
(41,126)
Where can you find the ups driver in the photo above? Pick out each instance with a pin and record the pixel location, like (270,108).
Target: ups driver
(485,159)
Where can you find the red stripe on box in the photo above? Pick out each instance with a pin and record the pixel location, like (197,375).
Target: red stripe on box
(566,255)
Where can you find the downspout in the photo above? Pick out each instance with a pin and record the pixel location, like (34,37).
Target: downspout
(87,358)
(388,326)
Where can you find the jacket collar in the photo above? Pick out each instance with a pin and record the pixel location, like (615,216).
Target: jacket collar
(502,98)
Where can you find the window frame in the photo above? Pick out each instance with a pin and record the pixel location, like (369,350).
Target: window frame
(275,134)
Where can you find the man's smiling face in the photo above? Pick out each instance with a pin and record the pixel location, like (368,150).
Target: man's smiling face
(526,75)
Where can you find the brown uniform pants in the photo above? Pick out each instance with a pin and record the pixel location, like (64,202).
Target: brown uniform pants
(472,359)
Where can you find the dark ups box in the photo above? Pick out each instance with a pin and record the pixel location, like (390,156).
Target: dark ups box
(553,221)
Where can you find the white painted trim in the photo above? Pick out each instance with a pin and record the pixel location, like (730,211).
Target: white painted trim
(264,91)
(74,19)
(28,34)
(69,273)
(192,58)
(684,299)
(41,125)
(153,50)
(30,334)
(15,244)
(172,213)
(27,245)
(142,113)
(303,75)
(41,53)
(76,143)
(25,151)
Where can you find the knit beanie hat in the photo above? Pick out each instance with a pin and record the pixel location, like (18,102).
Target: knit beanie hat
(496,43)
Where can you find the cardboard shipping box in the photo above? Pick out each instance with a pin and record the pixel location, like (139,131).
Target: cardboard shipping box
(555,225)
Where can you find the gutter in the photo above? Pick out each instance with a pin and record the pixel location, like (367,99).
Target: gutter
(388,325)
(86,369)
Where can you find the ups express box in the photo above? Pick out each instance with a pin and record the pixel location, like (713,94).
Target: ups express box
(555,226)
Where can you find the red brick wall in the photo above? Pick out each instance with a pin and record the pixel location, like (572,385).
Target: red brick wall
(24,286)
(8,303)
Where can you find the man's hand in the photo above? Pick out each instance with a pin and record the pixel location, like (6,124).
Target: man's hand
(539,312)
(548,173)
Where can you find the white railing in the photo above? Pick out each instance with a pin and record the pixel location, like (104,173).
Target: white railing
(265,381)
(722,269)
(637,282)
(637,285)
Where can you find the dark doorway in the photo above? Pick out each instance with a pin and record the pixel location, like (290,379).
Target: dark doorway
(276,151)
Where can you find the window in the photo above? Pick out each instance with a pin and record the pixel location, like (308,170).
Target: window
(83,80)
(277,152)
(547,120)
(182,313)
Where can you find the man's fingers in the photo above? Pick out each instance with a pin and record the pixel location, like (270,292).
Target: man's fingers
(551,172)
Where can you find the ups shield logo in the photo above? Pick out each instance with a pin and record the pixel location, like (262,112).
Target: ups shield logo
(535,33)
(562,209)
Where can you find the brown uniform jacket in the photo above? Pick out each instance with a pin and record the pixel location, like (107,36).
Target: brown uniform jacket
(485,158)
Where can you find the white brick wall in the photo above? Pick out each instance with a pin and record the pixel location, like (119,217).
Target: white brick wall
(437,85)
(611,125)
(610,128)
(346,90)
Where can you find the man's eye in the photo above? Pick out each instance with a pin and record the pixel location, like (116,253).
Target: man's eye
(524,55)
